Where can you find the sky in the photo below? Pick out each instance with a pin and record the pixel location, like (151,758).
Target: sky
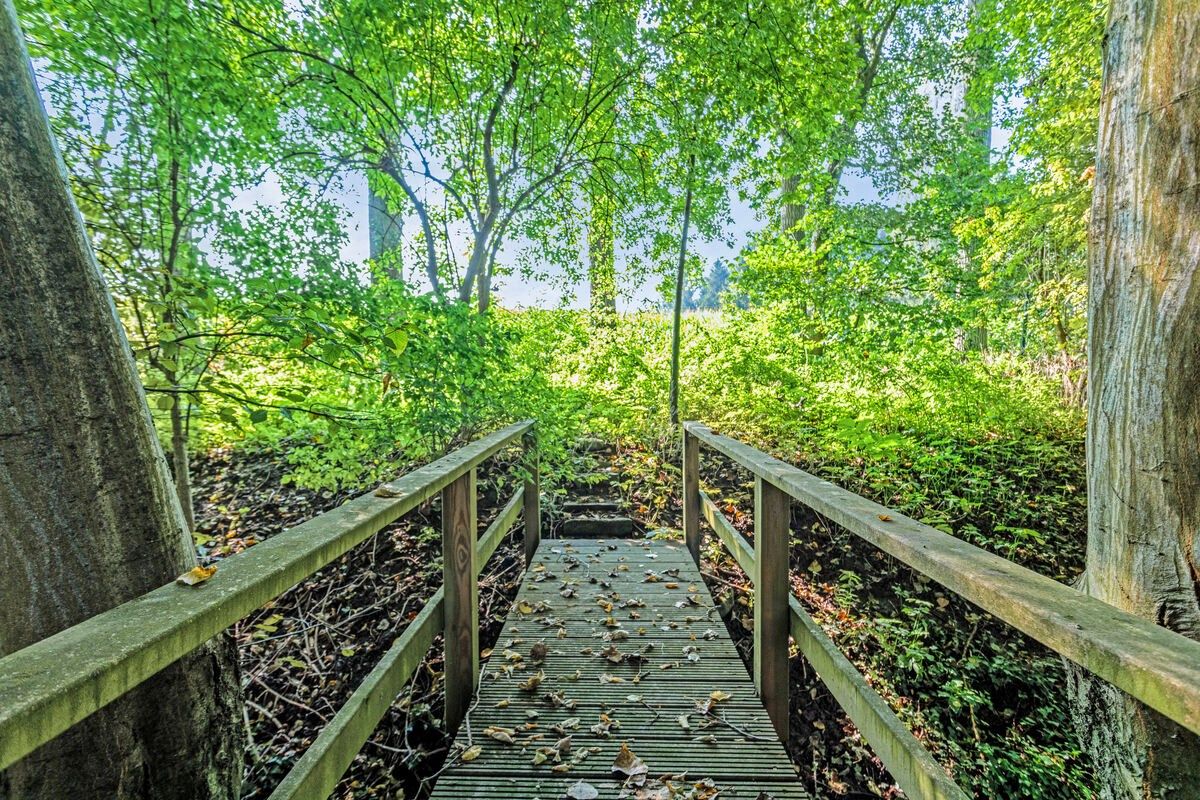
(515,291)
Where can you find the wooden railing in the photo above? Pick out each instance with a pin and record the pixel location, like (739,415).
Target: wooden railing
(49,686)
(1154,665)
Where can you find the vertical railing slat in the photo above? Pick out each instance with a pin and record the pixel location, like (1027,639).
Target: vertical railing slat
(691,494)
(772,527)
(462,594)
(533,500)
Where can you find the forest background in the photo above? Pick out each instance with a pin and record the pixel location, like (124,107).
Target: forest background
(921,342)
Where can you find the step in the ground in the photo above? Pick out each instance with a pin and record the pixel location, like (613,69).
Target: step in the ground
(592,445)
(596,507)
(587,527)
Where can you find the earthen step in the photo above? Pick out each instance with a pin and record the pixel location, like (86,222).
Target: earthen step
(591,507)
(588,527)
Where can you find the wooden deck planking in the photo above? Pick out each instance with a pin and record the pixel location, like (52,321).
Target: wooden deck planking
(661,612)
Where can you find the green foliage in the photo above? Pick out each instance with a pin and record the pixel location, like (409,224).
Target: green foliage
(907,349)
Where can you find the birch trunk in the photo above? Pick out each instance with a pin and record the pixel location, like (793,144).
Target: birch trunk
(1144,378)
(89,517)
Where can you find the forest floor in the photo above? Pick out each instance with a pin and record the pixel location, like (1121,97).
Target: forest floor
(304,654)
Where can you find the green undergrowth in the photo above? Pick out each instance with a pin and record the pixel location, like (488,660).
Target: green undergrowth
(977,446)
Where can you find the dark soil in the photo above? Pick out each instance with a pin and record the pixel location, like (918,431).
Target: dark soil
(304,654)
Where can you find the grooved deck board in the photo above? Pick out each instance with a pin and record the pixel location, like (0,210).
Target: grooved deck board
(585,600)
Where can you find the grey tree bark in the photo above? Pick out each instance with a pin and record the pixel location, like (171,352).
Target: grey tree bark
(1144,378)
(602,268)
(89,517)
(384,231)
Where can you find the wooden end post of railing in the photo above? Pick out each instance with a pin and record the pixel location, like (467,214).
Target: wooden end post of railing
(533,499)
(459,522)
(772,532)
(691,494)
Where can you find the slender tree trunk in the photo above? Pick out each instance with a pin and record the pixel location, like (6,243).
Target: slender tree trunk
(384,234)
(602,268)
(88,515)
(180,466)
(975,107)
(680,275)
(1144,384)
(791,212)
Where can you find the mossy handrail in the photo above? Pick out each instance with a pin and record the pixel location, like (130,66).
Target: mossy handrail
(1151,663)
(49,686)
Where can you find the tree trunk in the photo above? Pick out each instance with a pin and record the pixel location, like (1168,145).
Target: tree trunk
(88,515)
(1144,363)
(677,317)
(791,213)
(602,268)
(180,467)
(384,234)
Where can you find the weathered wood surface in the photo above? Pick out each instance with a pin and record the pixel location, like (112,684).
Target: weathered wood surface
(610,616)
(460,580)
(772,547)
(48,686)
(914,769)
(1155,665)
(691,494)
(319,770)
(533,497)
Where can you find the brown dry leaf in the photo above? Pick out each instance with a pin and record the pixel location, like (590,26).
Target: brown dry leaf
(627,763)
(500,734)
(532,682)
(719,696)
(885,518)
(472,753)
(197,575)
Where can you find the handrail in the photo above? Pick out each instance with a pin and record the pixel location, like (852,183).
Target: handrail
(326,759)
(49,686)
(1153,664)
(914,769)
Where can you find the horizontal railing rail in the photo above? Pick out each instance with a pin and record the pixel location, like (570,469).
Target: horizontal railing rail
(1155,665)
(914,769)
(49,686)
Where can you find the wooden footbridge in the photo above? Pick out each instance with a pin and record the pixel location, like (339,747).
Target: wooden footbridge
(614,675)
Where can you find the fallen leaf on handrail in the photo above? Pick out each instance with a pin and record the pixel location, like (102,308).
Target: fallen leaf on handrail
(885,517)
(196,575)
(386,490)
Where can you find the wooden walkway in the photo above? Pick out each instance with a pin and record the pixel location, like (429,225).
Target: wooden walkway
(614,677)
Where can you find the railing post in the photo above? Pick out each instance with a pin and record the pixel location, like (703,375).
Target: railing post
(533,500)
(460,580)
(772,533)
(691,493)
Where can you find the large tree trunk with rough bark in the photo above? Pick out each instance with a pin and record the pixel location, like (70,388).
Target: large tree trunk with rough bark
(1144,378)
(89,517)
